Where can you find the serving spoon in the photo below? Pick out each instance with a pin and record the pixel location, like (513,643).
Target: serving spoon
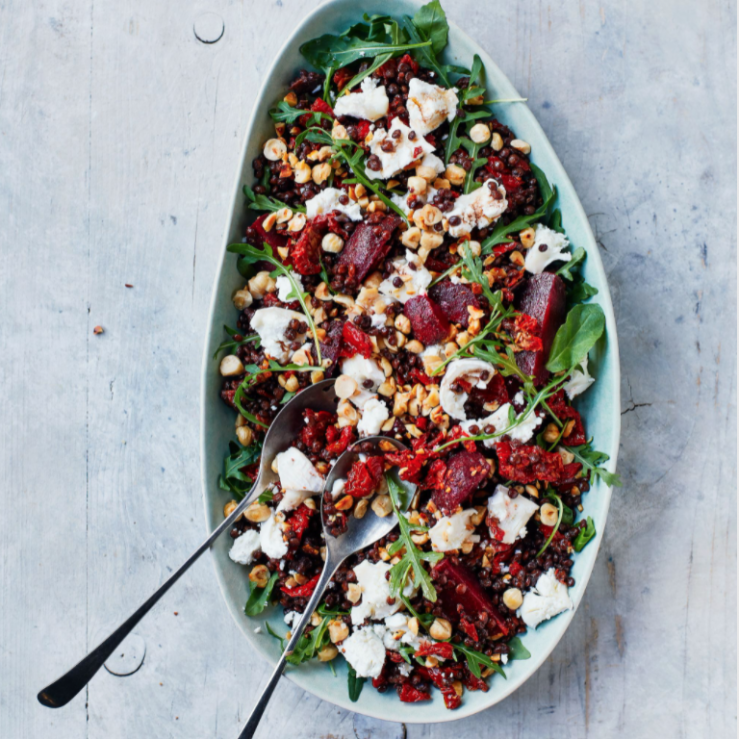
(360,533)
(282,433)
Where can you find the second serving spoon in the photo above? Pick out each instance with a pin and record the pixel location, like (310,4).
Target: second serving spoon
(360,533)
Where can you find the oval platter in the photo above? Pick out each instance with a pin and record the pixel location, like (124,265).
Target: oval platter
(601,405)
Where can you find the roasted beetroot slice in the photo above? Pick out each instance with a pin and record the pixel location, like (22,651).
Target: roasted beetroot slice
(453,300)
(427,319)
(466,472)
(331,346)
(544,298)
(273,238)
(472,598)
(368,246)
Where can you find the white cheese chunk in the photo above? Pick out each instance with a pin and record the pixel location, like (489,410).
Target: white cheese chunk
(414,280)
(375,588)
(285,287)
(432,356)
(378,320)
(361,370)
(404,151)
(450,532)
(370,104)
(549,598)
(431,160)
(297,472)
(397,632)
(548,247)
(243,549)
(292,499)
(580,380)
(271,324)
(499,420)
(374,414)
(365,652)
(429,105)
(328,200)
(511,514)
(474,371)
(270,537)
(477,209)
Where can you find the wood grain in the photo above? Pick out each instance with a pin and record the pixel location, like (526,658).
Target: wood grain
(119,138)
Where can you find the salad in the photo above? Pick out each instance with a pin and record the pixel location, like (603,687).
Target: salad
(406,245)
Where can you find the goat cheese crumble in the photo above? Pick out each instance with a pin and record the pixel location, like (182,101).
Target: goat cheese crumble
(548,247)
(414,280)
(477,209)
(405,150)
(327,201)
(365,652)
(370,104)
(523,431)
(361,370)
(450,532)
(375,588)
(270,537)
(512,514)
(271,324)
(547,599)
(243,549)
(580,380)
(297,472)
(374,414)
(473,371)
(430,105)
(285,287)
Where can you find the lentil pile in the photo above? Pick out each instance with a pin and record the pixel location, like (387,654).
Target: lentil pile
(407,247)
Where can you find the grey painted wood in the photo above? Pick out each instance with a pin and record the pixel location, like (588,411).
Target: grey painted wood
(119,138)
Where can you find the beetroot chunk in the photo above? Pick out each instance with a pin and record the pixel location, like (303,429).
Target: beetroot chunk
(273,238)
(471,598)
(427,319)
(368,246)
(544,298)
(331,345)
(465,473)
(454,300)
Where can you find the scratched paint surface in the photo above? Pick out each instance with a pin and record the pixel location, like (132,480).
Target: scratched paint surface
(119,138)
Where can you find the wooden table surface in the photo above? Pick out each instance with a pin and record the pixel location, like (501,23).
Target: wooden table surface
(120,134)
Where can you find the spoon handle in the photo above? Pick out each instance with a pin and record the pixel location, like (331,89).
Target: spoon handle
(329,569)
(60,692)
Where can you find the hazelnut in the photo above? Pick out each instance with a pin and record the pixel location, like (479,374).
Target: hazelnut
(480,133)
(497,142)
(302,173)
(337,631)
(321,172)
(528,237)
(297,223)
(431,240)
(332,243)
(412,237)
(440,629)
(259,576)
(521,145)
(261,284)
(242,299)
(327,653)
(229,508)
(245,435)
(455,174)
(274,150)
(345,386)
(382,506)
(231,365)
(417,185)
(512,599)
(549,514)
(257,512)
(428,173)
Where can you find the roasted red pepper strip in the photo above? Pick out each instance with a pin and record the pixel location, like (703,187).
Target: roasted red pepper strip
(441,649)
(302,591)
(300,519)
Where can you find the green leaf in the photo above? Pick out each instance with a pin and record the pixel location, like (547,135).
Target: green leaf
(275,635)
(580,291)
(355,684)
(265,497)
(592,462)
(584,535)
(568,515)
(555,528)
(285,113)
(267,203)
(431,22)
(585,324)
(230,346)
(259,597)
(423,51)
(476,659)
(517,649)
(413,558)
(566,270)
(233,479)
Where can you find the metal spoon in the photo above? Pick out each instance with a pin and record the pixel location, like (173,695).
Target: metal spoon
(281,435)
(360,533)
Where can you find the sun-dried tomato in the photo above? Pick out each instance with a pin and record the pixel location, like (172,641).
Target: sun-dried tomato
(299,520)
(422,423)
(302,591)
(270,299)
(458,432)
(305,255)
(355,342)
(510,182)
(396,657)
(469,628)
(565,412)
(525,333)
(315,428)
(338,440)
(342,76)
(409,694)
(515,568)
(336,226)
(451,699)
(363,127)
(411,464)
(474,683)
(527,463)
(501,249)
(442,649)
(364,477)
(420,376)
(408,59)
(319,106)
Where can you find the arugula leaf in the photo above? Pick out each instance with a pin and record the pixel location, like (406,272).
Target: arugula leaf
(355,684)
(310,644)
(430,20)
(555,221)
(580,291)
(266,202)
(476,659)
(585,324)
(259,597)
(253,254)
(555,528)
(275,635)
(568,515)
(413,557)
(565,271)
(472,149)
(423,51)
(285,113)
(233,479)
(584,536)
(592,460)
(265,497)
(517,649)
(233,344)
